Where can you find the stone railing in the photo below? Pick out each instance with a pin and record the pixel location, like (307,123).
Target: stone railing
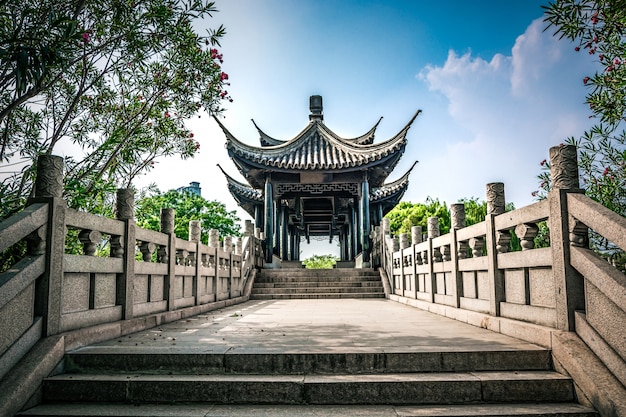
(471,275)
(147,278)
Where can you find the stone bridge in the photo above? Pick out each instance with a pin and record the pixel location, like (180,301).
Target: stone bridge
(468,327)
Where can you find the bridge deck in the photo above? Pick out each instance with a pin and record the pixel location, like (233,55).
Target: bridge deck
(315,326)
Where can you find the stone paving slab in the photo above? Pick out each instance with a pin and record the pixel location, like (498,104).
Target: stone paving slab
(313,326)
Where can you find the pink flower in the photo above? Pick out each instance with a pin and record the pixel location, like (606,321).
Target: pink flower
(586,80)
(224,76)
(86,37)
(577,49)
(167,114)
(191,135)
(606,171)
(542,163)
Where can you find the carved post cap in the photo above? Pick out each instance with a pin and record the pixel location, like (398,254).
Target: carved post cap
(125,204)
(228,243)
(167,220)
(457,215)
(238,246)
(416,234)
(194,230)
(564,167)
(49,182)
(395,244)
(404,240)
(433,227)
(248,228)
(214,238)
(386,226)
(495,198)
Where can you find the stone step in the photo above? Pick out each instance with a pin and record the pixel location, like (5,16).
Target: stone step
(96,360)
(296,284)
(312,289)
(282,296)
(404,388)
(316,279)
(214,410)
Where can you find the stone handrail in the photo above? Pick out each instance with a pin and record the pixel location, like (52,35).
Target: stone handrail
(125,274)
(472,275)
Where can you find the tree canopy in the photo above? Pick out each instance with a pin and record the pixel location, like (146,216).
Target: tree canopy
(114,81)
(598,29)
(188,206)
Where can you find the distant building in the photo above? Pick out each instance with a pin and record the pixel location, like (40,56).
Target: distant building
(193,187)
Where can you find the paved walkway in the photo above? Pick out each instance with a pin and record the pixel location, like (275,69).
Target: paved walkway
(315,326)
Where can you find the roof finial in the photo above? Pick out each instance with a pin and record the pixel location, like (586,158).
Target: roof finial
(315,105)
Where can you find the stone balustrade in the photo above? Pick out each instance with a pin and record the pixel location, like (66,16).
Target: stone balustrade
(125,274)
(472,274)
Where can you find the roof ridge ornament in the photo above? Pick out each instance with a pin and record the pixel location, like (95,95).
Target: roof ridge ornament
(317,111)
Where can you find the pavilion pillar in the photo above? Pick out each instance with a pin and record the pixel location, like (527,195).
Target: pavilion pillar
(258,216)
(284,237)
(269,220)
(354,228)
(364,217)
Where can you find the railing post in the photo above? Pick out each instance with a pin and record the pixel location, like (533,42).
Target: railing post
(228,248)
(457,215)
(49,189)
(169,283)
(125,211)
(194,236)
(416,238)
(214,242)
(404,243)
(495,206)
(432,227)
(568,283)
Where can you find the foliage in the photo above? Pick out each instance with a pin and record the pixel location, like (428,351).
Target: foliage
(406,214)
(598,27)
(320,262)
(188,206)
(113,80)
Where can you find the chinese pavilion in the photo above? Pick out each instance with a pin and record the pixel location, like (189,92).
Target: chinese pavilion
(317,185)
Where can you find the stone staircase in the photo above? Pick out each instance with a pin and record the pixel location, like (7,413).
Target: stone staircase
(300,283)
(407,383)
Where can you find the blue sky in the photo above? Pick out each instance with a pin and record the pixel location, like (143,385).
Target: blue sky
(496,90)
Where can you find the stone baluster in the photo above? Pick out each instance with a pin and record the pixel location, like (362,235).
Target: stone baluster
(90,240)
(477,245)
(526,233)
(181,257)
(147,249)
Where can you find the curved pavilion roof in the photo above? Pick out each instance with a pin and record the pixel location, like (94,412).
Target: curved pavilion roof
(365,139)
(317,148)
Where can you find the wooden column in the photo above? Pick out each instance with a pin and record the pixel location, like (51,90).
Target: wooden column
(364,217)
(269,220)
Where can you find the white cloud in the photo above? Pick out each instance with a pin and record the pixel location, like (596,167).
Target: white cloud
(512,108)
